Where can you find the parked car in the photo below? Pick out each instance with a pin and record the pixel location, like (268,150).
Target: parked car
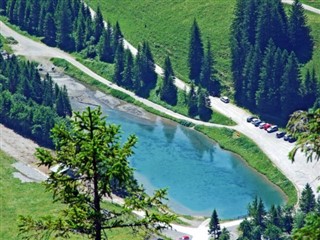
(250,118)
(272,129)
(266,126)
(280,134)
(289,138)
(286,137)
(261,125)
(257,123)
(225,99)
(255,120)
(185,238)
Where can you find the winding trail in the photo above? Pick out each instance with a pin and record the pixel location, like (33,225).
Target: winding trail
(300,172)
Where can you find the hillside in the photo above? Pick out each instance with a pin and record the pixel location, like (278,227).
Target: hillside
(166,25)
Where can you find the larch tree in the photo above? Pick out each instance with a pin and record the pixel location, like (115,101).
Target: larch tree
(94,152)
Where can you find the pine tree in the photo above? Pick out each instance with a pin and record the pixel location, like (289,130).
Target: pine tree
(266,75)
(168,91)
(117,37)
(204,109)
(64,26)
(290,87)
(206,77)
(128,72)
(195,53)
(49,30)
(214,225)
(257,211)
(98,25)
(310,89)
(192,102)
(145,70)
(307,200)
(300,33)
(119,66)
(105,52)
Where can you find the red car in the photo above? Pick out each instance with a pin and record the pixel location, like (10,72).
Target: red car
(266,126)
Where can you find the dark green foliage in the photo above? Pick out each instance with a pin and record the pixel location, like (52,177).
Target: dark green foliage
(262,39)
(290,85)
(119,65)
(105,50)
(98,25)
(168,91)
(28,104)
(207,79)
(128,72)
(192,102)
(225,234)
(64,26)
(195,53)
(214,225)
(300,37)
(145,74)
(204,109)
(49,30)
(307,200)
(257,211)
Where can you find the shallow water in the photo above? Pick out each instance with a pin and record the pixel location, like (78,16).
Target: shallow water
(199,175)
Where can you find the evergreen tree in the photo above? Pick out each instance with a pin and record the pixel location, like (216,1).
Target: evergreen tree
(207,71)
(34,17)
(119,66)
(49,30)
(98,25)
(145,70)
(195,53)
(64,26)
(225,234)
(204,109)
(80,28)
(257,211)
(128,72)
(310,89)
(168,91)
(117,37)
(192,102)
(251,74)
(105,52)
(246,229)
(307,200)
(3,6)
(300,33)
(214,225)
(290,87)
(266,76)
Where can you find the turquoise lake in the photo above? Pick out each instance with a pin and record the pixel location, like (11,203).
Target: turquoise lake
(199,175)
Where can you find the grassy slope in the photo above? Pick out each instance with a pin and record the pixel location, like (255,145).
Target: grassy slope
(18,198)
(166,25)
(312,3)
